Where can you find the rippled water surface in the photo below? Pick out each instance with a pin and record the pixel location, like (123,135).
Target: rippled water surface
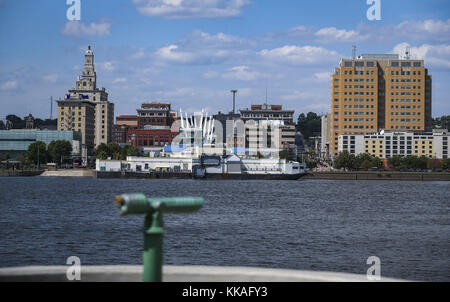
(317,225)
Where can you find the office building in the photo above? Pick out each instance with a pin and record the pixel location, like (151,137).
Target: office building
(379,92)
(387,144)
(86,91)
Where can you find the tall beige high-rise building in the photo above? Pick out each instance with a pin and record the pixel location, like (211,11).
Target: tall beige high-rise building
(94,105)
(379,92)
(78,115)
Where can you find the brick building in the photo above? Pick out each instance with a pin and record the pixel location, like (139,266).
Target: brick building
(151,138)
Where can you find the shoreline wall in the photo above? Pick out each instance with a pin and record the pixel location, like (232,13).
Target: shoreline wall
(379,176)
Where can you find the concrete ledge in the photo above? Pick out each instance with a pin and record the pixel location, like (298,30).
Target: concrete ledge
(410,176)
(68,173)
(133,273)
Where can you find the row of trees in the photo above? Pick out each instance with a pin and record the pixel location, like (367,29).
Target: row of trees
(348,161)
(56,152)
(19,123)
(114,151)
(415,162)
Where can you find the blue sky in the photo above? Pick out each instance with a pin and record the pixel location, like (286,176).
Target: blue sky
(192,52)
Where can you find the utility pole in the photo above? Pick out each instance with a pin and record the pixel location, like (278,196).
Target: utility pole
(234,91)
(51,107)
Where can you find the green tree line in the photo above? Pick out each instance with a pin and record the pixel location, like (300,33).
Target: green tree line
(348,161)
(114,151)
(38,152)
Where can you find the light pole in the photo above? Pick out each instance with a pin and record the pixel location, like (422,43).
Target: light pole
(234,91)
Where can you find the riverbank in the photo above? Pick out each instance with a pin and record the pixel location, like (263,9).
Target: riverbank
(418,176)
(20,173)
(68,173)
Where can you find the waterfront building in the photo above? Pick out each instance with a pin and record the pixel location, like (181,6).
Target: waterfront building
(122,125)
(260,122)
(379,92)
(233,140)
(386,144)
(78,115)
(151,138)
(154,114)
(16,142)
(127,120)
(86,91)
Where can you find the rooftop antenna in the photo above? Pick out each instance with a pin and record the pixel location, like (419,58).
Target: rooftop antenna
(407,53)
(266,96)
(354,52)
(234,91)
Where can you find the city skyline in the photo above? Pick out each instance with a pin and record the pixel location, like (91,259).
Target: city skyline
(192,54)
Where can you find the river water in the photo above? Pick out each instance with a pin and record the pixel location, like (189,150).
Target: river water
(319,225)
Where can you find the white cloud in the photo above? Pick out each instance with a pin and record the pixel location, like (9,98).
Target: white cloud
(80,30)
(182,9)
(200,56)
(323,76)
(50,78)
(119,80)
(9,85)
(427,30)
(211,75)
(434,55)
(332,34)
(107,66)
(170,53)
(243,73)
(296,55)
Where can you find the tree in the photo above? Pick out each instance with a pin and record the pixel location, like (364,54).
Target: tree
(346,161)
(102,155)
(442,122)
(377,162)
(102,148)
(309,124)
(114,150)
(434,164)
(396,161)
(310,164)
(129,150)
(284,154)
(446,163)
(58,150)
(17,122)
(37,151)
(366,164)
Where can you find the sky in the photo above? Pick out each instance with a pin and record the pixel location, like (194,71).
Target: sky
(191,53)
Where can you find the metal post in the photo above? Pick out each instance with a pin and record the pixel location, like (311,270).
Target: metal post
(153,247)
(39,164)
(153,208)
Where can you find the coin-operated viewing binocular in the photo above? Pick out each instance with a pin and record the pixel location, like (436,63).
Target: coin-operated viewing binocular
(153,208)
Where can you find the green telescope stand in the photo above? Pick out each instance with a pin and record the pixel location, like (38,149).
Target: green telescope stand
(153,208)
